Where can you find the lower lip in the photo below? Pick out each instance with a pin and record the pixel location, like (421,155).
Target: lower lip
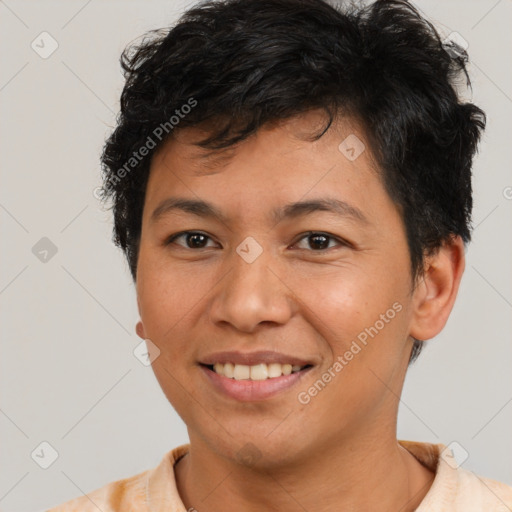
(253,390)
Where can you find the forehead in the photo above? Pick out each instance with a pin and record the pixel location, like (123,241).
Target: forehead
(281,163)
(299,133)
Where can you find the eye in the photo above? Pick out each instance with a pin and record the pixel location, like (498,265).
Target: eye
(319,241)
(193,239)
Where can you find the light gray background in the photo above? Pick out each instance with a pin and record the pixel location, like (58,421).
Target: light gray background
(68,374)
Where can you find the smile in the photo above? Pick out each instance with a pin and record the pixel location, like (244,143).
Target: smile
(253,383)
(259,371)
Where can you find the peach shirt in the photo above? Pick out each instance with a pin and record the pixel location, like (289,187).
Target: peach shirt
(454,489)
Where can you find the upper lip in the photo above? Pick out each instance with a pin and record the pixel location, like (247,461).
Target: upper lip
(253,358)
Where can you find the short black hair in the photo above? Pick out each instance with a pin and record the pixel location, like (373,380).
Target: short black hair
(239,64)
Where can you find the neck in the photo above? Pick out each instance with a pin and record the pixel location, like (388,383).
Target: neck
(368,473)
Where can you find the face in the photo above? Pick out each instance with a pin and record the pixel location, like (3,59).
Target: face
(291,253)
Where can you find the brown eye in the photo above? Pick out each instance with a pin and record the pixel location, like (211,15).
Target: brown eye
(193,239)
(319,242)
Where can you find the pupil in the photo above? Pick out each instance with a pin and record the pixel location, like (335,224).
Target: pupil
(195,240)
(316,238)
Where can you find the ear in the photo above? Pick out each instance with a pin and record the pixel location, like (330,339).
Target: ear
(139,329)
(436,291)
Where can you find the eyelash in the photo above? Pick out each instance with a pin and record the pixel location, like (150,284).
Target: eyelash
(306,235)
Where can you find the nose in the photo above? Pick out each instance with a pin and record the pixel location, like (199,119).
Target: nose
(251,294)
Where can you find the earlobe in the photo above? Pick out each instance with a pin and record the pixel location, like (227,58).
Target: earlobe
(436,292)
(139,329)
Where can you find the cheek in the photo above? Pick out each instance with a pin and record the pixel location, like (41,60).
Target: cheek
(361,380)
(362,322)
(167,297)
(342,303)
(167,301)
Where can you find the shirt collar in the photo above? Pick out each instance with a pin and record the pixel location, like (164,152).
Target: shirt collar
(162,493)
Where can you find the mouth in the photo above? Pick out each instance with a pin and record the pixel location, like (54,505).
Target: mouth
(255,382)
(257,372)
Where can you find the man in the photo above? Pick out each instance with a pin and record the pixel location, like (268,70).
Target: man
(291,185)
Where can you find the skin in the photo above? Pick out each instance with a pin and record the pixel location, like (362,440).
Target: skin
(294,298)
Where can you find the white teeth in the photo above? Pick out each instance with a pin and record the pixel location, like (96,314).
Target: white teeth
(242,372)
(229,370)
(274,370)
(257,372)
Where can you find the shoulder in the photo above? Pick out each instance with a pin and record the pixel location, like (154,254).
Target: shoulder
(131,494)
(454,488)
(479,493)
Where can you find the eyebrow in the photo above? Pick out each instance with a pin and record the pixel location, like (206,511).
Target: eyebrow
(204,209)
